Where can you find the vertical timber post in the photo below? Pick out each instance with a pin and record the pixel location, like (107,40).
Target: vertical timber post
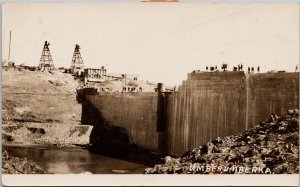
(161,118)
(9,45)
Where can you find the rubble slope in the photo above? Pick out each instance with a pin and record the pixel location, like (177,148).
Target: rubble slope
(16,165)
(270,147)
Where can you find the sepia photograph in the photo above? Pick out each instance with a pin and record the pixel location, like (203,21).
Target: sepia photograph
(161,87)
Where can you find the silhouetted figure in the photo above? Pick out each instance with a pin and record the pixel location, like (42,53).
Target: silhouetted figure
(211,68)
(248,69)
(234,68)
(206,68)
(224,67)
(241,66)
(258,68)
(296,69)
(216,68)
(252,69)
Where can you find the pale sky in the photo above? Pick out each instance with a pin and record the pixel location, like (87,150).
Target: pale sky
(160,41)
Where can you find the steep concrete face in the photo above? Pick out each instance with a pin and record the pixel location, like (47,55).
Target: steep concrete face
(134,113)
(208,105)
(271,92)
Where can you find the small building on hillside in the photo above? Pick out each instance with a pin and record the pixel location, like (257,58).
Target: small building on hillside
(8,63)
(95,75)
(101,75)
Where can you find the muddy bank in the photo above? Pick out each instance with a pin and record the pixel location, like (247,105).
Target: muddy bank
(270,147)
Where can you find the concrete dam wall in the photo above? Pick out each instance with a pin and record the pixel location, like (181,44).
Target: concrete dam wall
(207,105)
(271,92)
(134,114)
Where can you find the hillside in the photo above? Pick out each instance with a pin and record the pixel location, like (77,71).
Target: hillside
(41,107)
(34,96)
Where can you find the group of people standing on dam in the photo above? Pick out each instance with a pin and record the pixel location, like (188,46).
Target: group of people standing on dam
(235,68)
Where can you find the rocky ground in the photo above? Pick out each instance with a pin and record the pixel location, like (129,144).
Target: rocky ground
(15,165)
(270,147)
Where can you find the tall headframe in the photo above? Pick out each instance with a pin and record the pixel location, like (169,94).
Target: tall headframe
(46,62)
(77,66)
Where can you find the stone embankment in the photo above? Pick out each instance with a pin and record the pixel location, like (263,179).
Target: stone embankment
(270,147)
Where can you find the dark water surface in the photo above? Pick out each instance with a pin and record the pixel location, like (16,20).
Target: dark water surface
(75,160)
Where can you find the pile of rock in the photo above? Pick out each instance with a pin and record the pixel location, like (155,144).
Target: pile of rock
(15,165)
(270,147)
